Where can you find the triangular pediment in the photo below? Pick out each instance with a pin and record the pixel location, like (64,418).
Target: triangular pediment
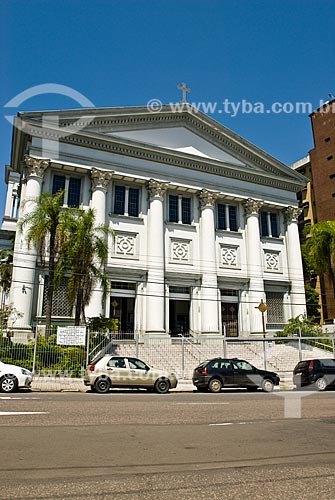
(178,139)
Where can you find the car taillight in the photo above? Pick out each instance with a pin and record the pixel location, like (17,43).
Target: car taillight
(204,371)
(311,366)
(91,368)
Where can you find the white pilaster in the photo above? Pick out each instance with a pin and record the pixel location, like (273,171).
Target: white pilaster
(294,262)
(100,182)
(24,258)
(209,297)
(155,285)
(254,263)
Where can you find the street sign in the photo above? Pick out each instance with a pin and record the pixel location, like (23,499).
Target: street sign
(71,335)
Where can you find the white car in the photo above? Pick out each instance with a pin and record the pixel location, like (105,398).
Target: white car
(14,377)
(118,371)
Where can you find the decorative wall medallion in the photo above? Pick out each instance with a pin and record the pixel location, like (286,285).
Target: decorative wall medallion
(229,256)
(180,250)
(125,245)
(272,260)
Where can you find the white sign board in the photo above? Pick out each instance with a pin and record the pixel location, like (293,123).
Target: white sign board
(71,335)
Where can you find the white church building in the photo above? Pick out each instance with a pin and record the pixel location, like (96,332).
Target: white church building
(205,223)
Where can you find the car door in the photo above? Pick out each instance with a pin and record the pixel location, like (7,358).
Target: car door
(118,371)
(243,373)
(226,372)
(139,373)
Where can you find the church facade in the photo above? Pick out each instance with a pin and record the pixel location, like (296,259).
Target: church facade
(205,223)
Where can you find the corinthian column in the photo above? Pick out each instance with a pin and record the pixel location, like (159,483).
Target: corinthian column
(209,286)
(254,263)
(24,258)
(294,262)
(100,182)
(155,286)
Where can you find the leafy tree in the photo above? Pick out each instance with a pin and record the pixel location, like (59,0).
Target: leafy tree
(84,258)
(312,302)
(300,324)
(319,249)
(45,231)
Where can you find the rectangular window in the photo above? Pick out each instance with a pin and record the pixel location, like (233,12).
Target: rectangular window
(173,208)
(264,224)
(119,200)
(227,217)
(71,185)
(275,312)
(186,210)
(58,183)
(233,218)
(126,201)
(269,224)
(73,198)
(133,202)
(274,225)
(222,216)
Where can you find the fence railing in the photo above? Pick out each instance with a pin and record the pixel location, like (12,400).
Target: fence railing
(180,355)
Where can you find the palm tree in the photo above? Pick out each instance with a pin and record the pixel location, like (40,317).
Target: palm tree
(84,258)
(6,268)
(45,231)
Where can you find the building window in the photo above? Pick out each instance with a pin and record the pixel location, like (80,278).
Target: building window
(60,305)
(71,186)
(329,157)
(275,312)
(227,217)
(126,201)
(179,209)
(269,224)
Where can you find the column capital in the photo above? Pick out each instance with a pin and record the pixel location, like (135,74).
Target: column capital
(291,214)
(101,178)
(207,198)
(252,207)
(36,166)
(156,188)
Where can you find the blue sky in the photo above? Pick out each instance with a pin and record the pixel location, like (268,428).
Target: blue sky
(126,52)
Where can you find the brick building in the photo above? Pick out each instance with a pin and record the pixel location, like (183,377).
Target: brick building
(317,199)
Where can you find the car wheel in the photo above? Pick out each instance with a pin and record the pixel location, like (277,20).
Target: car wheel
(102,385)
(8,383)
(162,386)
(215,385)
(267,385)
(321,384)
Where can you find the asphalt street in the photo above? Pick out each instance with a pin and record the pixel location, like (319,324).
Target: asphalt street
(134,445)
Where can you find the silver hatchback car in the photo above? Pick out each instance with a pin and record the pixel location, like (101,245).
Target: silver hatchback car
(126,372)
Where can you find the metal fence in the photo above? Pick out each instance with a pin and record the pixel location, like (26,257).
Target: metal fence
(181,354)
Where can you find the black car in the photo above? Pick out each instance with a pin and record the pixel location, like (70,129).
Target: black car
(217,373)
(320,372)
